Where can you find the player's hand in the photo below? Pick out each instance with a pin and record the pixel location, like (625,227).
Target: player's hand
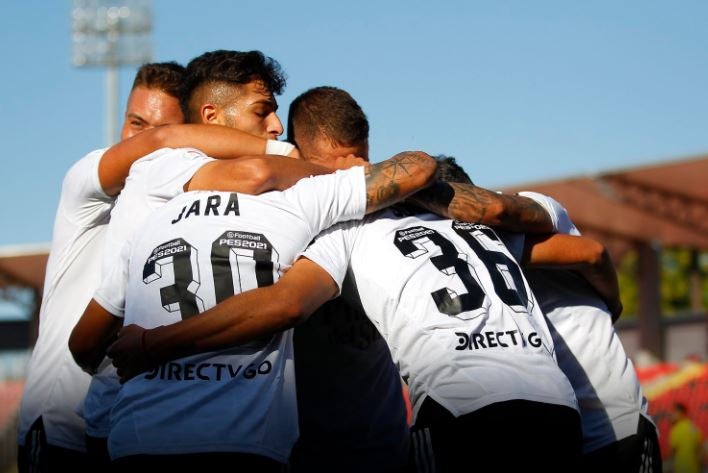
(128,354)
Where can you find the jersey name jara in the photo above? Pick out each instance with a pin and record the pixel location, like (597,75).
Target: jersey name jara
(209,205)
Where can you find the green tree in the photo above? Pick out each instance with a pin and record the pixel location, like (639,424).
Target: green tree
(674,284)
(629,289)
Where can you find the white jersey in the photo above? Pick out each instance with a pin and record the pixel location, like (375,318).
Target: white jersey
(153,180)
(453,306)
(587,347)
(55,384)
(195,251)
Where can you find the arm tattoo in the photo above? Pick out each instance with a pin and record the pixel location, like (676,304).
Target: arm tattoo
(525,214)
(390,181)
(473,204)
(464,202)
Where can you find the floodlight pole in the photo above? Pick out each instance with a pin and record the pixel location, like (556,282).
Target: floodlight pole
(112,60)
(111,105)
(102,34)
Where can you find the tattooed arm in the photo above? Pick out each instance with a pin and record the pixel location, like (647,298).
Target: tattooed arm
(396,178)
(470,203)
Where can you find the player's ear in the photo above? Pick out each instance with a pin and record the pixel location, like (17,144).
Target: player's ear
(209,113)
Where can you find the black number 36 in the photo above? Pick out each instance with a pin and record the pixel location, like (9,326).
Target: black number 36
(483,242)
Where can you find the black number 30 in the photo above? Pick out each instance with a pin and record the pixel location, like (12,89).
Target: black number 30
(247,258)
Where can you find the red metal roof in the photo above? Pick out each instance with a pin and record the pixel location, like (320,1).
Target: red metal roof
(665,204)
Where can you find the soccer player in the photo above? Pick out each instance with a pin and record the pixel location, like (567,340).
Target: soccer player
(580,308)
(340,357)
(371,434)
(51,434)
(251,125)
(618,435)
(468,338)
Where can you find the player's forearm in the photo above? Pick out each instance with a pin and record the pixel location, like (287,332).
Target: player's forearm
(469,203)
(603,278)
(91,336)
(88,358)
(252,315)
(217,141)
(249,316)
(584,255)
(214,140)
(395,179)
(521,214)
(242,318)
(253,174)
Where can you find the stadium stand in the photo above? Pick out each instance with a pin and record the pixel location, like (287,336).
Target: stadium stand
(667,383)
(10,394)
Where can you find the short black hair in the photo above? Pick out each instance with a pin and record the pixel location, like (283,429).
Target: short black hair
(231,67)
(166,76)
(451,172)
(330,112)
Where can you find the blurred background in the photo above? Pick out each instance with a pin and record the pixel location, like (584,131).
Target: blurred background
(600,105)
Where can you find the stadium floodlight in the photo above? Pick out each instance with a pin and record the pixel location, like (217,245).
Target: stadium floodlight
(110,34)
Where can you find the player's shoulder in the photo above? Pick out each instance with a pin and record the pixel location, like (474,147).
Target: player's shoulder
(81,185)
(87,164)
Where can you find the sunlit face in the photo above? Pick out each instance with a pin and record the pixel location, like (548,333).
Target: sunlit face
(323,151)
(148,108)
(252,108)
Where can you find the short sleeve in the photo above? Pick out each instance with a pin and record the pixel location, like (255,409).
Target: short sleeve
(558,213)
(111,293)
(332,249)
(83,201)
(330,198)
(170,170)
(282,148)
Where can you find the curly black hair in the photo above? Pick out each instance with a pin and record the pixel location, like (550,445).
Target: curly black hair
(231,67)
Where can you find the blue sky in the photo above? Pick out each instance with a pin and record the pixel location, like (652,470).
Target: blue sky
(518,91)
